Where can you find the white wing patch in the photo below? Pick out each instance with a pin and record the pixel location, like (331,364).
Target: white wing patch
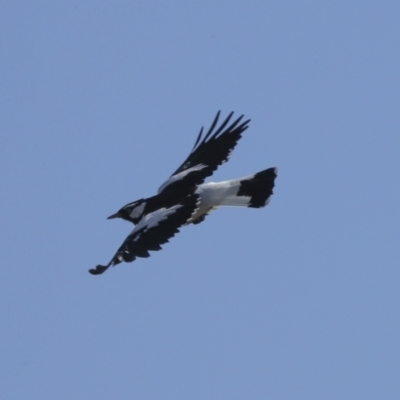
(153,219)
(180,176)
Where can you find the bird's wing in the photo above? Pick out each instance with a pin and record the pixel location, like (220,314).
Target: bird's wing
(208,153)
(152,231)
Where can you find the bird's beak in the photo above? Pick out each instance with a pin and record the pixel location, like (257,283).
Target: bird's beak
(116,215)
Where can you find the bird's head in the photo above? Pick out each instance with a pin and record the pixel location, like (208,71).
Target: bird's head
(131,212)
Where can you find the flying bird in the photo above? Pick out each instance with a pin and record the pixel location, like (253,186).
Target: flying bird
(184,198)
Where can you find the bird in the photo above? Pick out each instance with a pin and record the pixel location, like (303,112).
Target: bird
(185,199)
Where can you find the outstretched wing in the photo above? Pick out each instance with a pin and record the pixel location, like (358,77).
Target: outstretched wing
(208,153)
(152,231)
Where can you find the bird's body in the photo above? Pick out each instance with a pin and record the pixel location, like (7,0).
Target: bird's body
(184,198)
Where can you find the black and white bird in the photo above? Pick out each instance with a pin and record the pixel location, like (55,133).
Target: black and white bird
(184,198)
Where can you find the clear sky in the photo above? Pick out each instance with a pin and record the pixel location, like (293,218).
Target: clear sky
(101,101)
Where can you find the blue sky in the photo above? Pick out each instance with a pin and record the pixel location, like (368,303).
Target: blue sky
(102,101)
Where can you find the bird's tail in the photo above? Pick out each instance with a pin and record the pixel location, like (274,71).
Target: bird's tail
(250,191)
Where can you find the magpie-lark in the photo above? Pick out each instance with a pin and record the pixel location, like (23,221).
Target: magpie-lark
(184,198)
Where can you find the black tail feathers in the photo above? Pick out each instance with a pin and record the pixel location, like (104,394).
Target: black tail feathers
(259,188)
